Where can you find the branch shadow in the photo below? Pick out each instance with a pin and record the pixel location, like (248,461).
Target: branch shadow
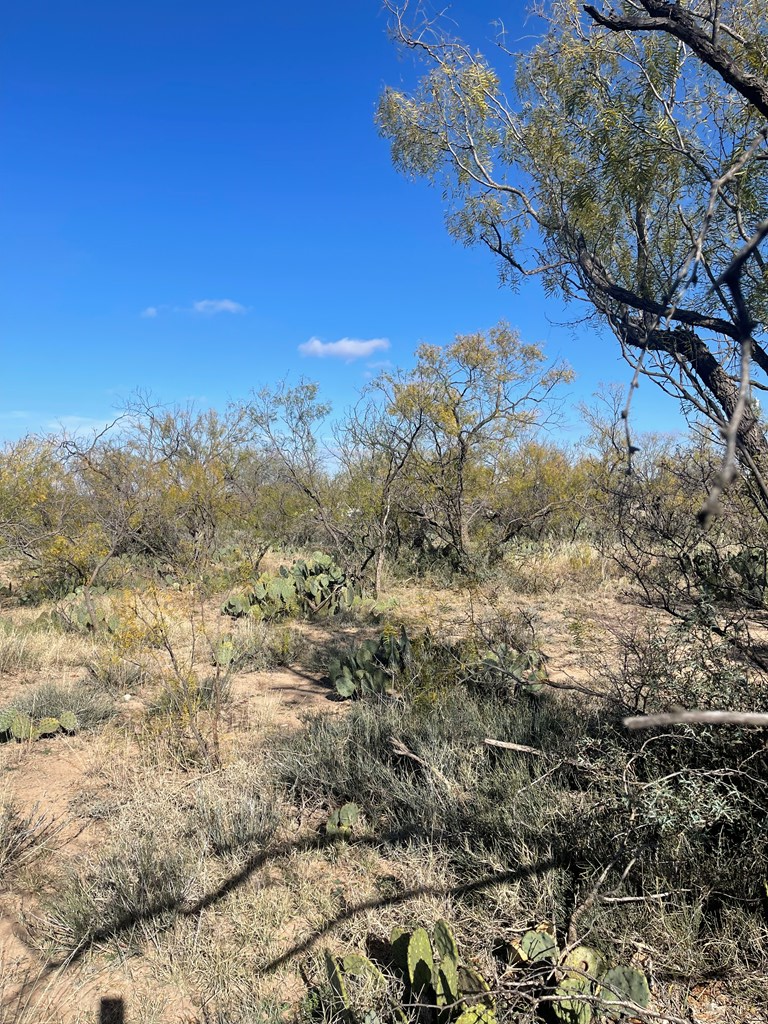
(127,922)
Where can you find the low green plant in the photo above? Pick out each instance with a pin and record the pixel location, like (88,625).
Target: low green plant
(342,820)
(427,666)
(19,725)
(428,975)
(79,612)
(508,671)
(316,587)
(81,705)
(575,983)
(372,667)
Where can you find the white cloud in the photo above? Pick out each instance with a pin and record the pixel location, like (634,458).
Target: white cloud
(344,348)
(209,307)
(15,414)
(150,311)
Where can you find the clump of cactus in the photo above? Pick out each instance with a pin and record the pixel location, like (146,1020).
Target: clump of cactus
(373,666)
(20,726)
(510,671)
(428,664)
(433,978)
(315,587)
(82,614)
(576,983)
(342,820)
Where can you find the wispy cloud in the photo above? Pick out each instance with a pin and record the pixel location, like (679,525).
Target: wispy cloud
(204,307)
(15,414)
(344,348)
(209,307)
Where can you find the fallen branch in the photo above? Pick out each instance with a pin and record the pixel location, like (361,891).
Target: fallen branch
(521,748)
(400,748)
(746,719)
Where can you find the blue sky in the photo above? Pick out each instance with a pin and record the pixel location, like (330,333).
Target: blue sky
(196,202)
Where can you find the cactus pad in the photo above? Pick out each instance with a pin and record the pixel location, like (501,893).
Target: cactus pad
(421,964)
(47,726)
(342,819)
(447,980)
(537,946)
(336,981)
(22,727)
(362,967)
(6,720)
(68,721)
(626,985)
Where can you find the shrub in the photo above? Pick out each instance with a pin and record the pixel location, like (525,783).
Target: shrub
(133,890)
(91,706)
(683,813)
(24,833)
(235,812)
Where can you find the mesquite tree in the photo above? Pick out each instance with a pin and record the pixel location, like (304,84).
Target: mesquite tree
(624,158)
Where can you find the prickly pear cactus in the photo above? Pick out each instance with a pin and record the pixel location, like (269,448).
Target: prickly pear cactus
(47,726)
(572,1005)
(361,967)
(479,1014)
(399,941)
(6,720)
(237,606)
(223,653)
(373,667)
(583,967)
(536,946)
(421,964)
(68,721)
(342,820)
(625,985)
(446,980)
(336,981)
(22,727)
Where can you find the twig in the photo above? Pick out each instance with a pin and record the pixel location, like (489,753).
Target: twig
(521,748)
(746,719)
(400,748)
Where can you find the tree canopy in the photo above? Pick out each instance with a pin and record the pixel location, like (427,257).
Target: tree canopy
(623,158)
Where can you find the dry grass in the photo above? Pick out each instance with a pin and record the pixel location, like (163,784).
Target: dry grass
(24,648)
(220,884)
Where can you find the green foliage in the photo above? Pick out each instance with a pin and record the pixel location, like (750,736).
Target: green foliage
(315,588)
(342,820)
(427,973)
(572,983)
(372,667)
(83,615)
(427,666)
(626,985)
(68,721)
(589,165)
(736,577)
(237,606)
(224,653)
(20,725)
(692,803)
(505,670)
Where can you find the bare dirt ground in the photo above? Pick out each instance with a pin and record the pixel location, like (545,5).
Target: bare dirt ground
(79,781)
